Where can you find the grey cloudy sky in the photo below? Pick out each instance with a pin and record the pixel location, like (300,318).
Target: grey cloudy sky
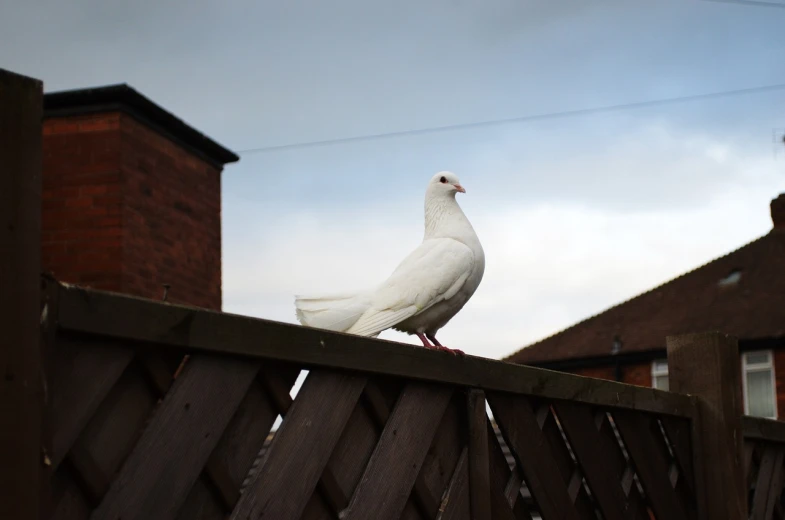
(575,213)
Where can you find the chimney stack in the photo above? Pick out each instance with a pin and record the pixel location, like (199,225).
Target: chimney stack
(131,197)
(778,212)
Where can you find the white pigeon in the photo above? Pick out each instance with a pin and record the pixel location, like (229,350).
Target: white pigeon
(425,291)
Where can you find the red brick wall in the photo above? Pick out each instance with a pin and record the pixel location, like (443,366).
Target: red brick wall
(172,219)
(637,374)
(81,228)
(126,209)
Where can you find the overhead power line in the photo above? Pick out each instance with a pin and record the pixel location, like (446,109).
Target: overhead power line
(519,119)
(752,3)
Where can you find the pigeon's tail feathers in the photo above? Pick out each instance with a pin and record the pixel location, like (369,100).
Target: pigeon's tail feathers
(335,312)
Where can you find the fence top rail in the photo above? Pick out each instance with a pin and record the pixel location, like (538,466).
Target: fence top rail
(761,429)
(88,311)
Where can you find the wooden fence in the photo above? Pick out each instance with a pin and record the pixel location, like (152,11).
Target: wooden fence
(127,409)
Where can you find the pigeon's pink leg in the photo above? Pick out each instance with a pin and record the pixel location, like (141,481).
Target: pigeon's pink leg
(439,346)
(424,341)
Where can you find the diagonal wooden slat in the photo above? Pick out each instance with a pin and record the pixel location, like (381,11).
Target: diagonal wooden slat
(532,451)
(82,376)
(226,485)
(505,484)
(301,447)
(174,448)
(769,485)
(455,502)
(389,478)
(651,465)
(563,461)
(327,485)
(680,438)
(426,503)
(594,453)
(479,460)
(237,450)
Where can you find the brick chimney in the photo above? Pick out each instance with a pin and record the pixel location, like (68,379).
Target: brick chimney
(778,212)
(131,197)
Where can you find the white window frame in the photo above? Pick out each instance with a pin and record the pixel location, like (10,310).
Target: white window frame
(659,368)
(755,367)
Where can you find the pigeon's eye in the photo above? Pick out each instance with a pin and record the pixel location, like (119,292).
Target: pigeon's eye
(443,180)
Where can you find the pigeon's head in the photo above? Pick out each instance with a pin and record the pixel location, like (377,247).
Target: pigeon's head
(445,183)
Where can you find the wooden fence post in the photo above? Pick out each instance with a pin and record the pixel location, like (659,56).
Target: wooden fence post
(707,366)
(21,392)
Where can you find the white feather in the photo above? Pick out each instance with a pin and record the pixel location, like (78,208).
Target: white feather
(428,287)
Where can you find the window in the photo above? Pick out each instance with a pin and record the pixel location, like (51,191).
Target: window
(758,379)
(659,374)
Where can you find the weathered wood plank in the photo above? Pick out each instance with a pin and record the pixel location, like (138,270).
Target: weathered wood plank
(82,375)
(246,433)
(301,448)
(67,501)
(595,454)
(377,404)
(21,385)
(679,435)
(201,330)
(112,432)
(707,367)
(441,457)
(769,485)
(479,460)
(650,464)
(388,480)
(173,451)
(758,428)
(532,451)
(455,502)
(505,484)
(563,462)
(335,499)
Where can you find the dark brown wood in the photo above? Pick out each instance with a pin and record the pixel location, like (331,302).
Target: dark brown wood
(443,454)
(679,433)
(328,486)
(83,373)
(505,484)
(175,446)
(202,330)
(479,461)
(301,448)
(532,451)
(562,460)
(93,481)
(389,478)
(769,483)
(707,366)
(245,435)
(595,454)
(651,465)
(455,503)
(21,386)
(377,405)
(758,428)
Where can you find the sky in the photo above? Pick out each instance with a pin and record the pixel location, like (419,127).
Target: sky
(576,212)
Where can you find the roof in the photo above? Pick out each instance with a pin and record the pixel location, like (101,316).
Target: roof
(741,294)
(126,99)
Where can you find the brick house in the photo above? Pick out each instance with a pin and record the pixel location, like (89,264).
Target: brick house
(741,293)
(131,197)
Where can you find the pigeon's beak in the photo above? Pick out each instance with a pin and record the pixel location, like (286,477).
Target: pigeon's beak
(459,188)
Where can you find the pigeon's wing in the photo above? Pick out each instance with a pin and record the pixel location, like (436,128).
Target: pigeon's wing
(433,272)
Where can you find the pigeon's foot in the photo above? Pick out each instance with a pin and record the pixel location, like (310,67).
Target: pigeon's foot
(436,345)
(453,351)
